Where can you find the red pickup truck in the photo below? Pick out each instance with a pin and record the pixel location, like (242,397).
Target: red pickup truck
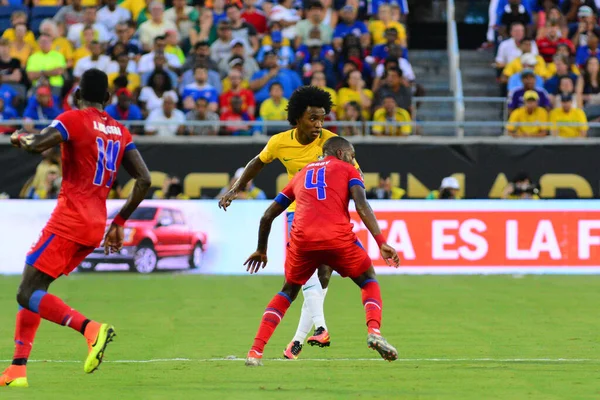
(152,233)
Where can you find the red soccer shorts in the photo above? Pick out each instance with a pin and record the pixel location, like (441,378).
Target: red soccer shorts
(300,265)
(55,255)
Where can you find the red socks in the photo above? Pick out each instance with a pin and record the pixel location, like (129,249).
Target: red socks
(53,309)
(26,327)
(270,319)
(371,298)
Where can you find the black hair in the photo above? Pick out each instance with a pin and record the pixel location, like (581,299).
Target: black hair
(231,5)
(304,97)
(389,96)
(94,86)
(275,84)
(167,85)
(521,176)
(120,82)
(396,70)
(332,145)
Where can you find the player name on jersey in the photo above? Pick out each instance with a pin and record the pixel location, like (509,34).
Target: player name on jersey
(107,129)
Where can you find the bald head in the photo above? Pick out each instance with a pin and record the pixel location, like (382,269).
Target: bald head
(340,148)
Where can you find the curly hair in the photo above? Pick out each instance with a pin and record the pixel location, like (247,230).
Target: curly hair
(304,97)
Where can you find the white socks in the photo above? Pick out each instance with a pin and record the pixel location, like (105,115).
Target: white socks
(312,308)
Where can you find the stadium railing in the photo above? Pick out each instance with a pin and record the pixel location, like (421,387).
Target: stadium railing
(454,68)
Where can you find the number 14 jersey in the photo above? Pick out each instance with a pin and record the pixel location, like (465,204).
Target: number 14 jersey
(92,150)
(322,193)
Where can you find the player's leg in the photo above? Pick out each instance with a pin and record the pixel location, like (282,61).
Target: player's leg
(26,327)
(55,257)
(272,316)
(371,298)
(299,267)
(354,262)
(321,335)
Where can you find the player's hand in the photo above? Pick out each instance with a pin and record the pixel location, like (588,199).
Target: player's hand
(226,200)
(256,261)
(113,240)
(389,255)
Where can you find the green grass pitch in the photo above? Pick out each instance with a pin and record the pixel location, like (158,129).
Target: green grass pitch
(459,337)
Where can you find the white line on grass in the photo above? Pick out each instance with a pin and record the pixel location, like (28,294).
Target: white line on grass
(405,360)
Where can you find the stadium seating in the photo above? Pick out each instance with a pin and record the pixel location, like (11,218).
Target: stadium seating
(38,14)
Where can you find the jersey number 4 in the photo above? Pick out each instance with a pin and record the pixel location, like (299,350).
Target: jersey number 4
(107,161)
(319,183)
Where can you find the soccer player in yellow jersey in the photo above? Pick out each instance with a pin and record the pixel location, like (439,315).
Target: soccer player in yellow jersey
(307,109)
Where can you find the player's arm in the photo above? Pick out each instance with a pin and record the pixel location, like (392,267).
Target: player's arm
(37,143)
(250,171)
(368,217)
(136,167)
(258,259)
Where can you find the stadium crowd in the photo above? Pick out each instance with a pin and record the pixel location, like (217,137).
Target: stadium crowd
(216,61)
(548,64)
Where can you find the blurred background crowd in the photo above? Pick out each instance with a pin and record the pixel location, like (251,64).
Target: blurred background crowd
(208,60)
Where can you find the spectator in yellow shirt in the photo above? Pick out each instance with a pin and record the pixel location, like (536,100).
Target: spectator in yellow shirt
(561,50)
(84,50)
(377,27)
(531,114)
(319,80)
(567,114)
(19,48)
(20,18)
(527,60)
(133,79)
(389,114)
(275,107)
(355,90)
(135,7)
(59,43)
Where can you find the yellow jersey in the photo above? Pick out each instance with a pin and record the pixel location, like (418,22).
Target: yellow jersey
(551,70)
(515,66)
(377,30)
(29,38)
(400,115)
(575,115)
(294,155)
(520,115)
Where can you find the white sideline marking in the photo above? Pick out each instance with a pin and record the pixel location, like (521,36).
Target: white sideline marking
(406,360)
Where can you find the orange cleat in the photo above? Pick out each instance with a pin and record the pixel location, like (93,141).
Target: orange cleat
(14,376)
(319,338)
(254,359)
(292,351)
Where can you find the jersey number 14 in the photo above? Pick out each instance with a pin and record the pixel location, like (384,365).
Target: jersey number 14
(107,161)
(319,183)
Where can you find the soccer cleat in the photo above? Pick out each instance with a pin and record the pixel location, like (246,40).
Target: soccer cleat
(14,376)
(97,346)
(385,350)
(254,359)
(319,338)
(292,351)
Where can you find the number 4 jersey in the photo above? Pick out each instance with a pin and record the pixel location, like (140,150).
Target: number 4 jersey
(92,150)
(322,193)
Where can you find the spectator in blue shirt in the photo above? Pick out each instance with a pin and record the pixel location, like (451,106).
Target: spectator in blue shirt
(8,94)
(381,51)
(124,110)
(7,112)
(200,89)
(40,107)
(590,50)
(350,26)
(515,98)
(563,68)
(402,5)
(271,73)
(285,54)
